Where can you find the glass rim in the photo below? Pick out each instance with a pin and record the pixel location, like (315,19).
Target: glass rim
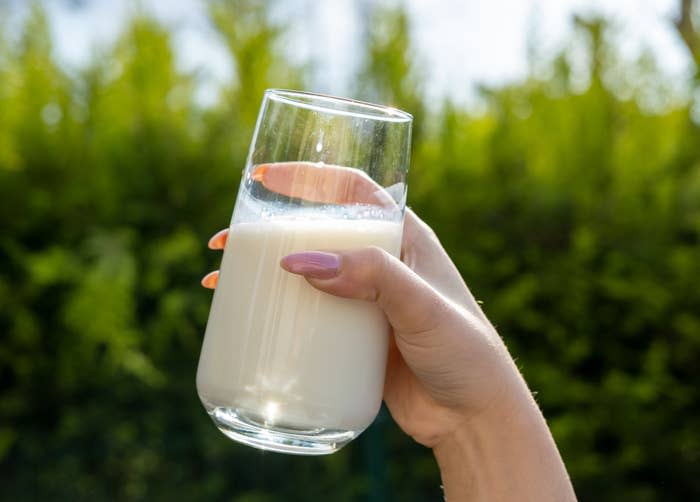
(330,104)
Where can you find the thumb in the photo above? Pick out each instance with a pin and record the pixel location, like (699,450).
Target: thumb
(410,304)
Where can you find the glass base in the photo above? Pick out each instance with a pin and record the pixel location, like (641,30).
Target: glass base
(248,429)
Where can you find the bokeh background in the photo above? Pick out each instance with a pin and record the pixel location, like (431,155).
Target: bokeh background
(566,186)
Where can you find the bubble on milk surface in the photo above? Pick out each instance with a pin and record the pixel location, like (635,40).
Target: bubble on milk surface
(327,212)
(253,209)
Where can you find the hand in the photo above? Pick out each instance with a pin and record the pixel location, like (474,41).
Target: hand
(444,359)
(448,370)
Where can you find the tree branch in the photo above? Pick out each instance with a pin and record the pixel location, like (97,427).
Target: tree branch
(685,28)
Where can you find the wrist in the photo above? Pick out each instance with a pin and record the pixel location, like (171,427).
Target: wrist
(471,458)
(506,453)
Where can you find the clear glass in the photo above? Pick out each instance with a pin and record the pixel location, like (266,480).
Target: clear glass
(285,367)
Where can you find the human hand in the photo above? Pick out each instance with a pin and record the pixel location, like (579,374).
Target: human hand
(445,360)
(448,370)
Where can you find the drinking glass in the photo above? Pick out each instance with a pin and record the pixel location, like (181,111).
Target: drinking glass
(283,366)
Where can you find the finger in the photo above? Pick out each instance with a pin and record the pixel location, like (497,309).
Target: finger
(218,240)
(410,304)
(209,281)
(322,183)
(422,252)
(337,184)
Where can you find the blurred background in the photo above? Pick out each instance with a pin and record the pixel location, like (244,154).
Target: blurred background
(556,154)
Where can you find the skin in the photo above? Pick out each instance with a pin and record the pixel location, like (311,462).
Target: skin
(450,382)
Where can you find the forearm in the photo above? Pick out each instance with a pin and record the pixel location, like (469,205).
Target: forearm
(507,454)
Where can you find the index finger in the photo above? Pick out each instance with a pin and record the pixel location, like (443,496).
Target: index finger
(318,182)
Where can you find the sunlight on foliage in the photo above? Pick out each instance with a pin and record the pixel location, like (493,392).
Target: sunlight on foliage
(570,203)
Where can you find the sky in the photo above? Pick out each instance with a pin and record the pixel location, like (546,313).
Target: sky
(459,43)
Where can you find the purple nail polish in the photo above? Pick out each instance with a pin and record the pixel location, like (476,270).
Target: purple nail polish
(314,264)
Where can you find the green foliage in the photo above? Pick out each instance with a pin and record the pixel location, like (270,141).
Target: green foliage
(573,213)
(575,218)
(390,73)
(254,45)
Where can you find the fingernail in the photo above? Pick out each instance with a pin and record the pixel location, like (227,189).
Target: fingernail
(209,281)
(218,241)
(258,173)
(313,264)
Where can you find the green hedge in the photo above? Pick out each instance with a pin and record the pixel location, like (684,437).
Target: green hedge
(573,215)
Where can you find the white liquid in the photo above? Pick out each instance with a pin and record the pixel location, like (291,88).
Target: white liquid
(283,351)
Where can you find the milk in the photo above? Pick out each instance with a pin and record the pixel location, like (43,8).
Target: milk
(282,352)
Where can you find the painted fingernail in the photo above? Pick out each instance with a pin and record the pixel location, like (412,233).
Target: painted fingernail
(258,173)
(313,264)
(218,241)
(209,281)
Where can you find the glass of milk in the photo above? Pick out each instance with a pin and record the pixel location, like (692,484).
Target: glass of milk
(285,367)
